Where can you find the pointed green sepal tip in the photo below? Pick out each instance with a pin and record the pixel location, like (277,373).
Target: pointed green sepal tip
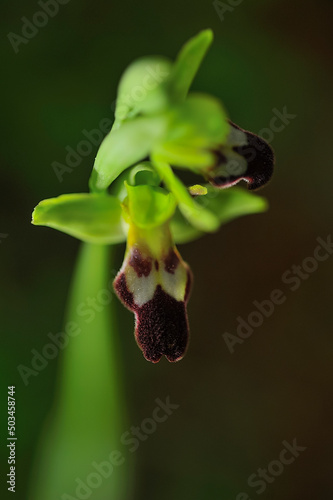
(206,36)
(187,64)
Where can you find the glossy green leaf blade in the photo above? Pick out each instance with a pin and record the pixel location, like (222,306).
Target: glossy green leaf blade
(150,206)
(197,215)
(123,147)
(227,204)
(89,217)
(188,63)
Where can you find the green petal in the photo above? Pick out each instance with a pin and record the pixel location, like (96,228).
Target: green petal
(181,229)
(123,147)
(89,217)
(197,215)
(187,64)
(196,128)
(182,156)
(141,88)
(143,173)
(226,205)
(149,206)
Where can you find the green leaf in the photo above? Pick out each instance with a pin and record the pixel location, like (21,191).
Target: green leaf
(187,64)
(226,204)
(141,88)
(123,147)
(196,128)
(89,217)
(149,206)
(197,215)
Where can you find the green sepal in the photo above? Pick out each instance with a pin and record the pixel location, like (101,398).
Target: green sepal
(187,64)
(123,147)
(150,83)
(196,128)
(141,88)
(149,206)
(225,204)
(91,218)
(197,215)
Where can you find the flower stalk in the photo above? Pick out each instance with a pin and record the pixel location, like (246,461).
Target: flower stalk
(89,414)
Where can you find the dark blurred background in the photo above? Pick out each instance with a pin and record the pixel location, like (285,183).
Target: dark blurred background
(235,409)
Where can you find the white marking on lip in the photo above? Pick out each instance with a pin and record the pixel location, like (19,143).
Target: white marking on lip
(143,288)
(175,284)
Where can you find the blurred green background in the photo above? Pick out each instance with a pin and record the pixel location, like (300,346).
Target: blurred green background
(234,409)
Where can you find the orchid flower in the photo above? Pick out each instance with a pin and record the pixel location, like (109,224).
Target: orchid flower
(135,195)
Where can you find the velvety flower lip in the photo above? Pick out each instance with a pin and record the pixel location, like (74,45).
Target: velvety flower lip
(156,288)
(246,157)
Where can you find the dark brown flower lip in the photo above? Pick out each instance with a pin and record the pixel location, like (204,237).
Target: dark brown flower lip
(162,328)
(161,323)
(259,161)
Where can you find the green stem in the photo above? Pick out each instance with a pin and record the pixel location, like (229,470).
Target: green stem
(88,419)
